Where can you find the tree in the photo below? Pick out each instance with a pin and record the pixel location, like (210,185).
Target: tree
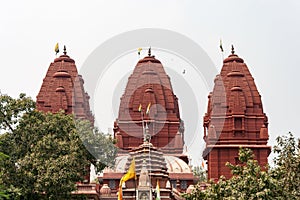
(46,154)
(200,173)
(287,165)
(3,193)
(12,109)
(249,181)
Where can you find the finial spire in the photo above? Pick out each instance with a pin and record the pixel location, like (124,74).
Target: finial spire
(232,49)
(147,136)
(65,50)
(149,51)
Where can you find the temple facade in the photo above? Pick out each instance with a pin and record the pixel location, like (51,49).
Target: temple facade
(234,119)
(150,130)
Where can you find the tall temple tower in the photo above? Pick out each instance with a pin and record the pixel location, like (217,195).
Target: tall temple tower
(62,89)
(149,101)
(234,119)
(150,130)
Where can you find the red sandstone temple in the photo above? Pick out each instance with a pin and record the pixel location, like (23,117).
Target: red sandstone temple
(150,130)
(62,89)
(234,119)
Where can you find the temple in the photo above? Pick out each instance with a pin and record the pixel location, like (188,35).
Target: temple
(150,130)
(234,119)
(62,89)
(149,87)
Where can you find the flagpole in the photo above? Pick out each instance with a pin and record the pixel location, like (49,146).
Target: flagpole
(135,187)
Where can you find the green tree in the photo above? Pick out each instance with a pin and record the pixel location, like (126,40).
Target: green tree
(287,165)
(3,192)
(249,181)
(199,173)
(46,153)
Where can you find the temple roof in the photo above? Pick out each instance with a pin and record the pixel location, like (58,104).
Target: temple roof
(62,89)
(234,118)
(148,83)
(235,91)
(149,88)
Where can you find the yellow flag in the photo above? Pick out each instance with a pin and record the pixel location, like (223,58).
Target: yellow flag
(148,108)
(56,49)
(139,50)
(140,107)
(129,175)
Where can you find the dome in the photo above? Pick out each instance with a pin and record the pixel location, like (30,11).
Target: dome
(173,164)
(176,165)
(121,163)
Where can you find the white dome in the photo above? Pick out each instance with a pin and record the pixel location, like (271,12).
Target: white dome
(121,163)
(176,165)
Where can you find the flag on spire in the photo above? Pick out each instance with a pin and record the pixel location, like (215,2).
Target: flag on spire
(139,50)
(56,49)
(148,108)
(221,45)
(129,175)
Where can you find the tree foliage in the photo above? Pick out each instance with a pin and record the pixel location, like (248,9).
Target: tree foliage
(199,173)
(287,169)
(46,153)
(3,192)
(250,181)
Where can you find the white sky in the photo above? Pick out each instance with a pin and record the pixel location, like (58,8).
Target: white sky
(265,34)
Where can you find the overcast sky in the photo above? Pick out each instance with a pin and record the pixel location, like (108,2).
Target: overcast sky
(265,34)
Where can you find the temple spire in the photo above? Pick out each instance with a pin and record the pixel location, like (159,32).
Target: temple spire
(149,51)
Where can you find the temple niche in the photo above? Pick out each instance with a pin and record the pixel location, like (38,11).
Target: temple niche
(234,118)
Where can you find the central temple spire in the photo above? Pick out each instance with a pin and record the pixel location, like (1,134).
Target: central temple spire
(149,87)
